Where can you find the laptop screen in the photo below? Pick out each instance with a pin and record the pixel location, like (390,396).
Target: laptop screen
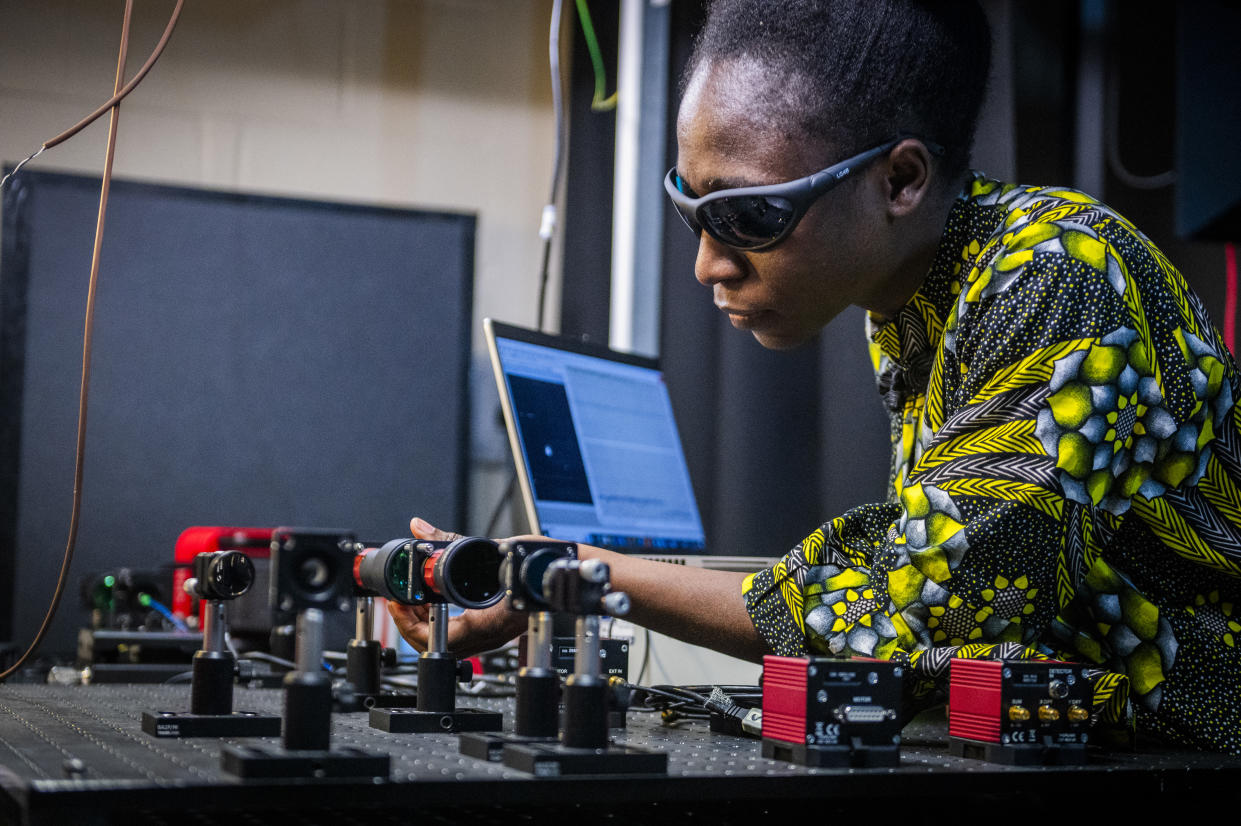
(598,452)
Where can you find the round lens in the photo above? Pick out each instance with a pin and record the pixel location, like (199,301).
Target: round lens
(231,574)
(534,569)
(468,573)
(397,572)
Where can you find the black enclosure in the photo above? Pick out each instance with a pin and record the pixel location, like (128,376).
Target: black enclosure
(258,361)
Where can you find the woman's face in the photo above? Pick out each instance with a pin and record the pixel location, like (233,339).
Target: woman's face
(785,294)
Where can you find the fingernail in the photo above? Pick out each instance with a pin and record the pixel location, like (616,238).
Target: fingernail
(422,526)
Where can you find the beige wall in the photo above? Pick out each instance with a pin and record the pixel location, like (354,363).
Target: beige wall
(443,104)
(440,104)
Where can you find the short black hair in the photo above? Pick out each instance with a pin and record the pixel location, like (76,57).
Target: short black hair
(857,72)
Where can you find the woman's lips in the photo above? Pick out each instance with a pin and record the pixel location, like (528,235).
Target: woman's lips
(741,317)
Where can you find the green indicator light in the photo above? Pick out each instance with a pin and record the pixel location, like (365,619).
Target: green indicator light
(144,600)
(109,581)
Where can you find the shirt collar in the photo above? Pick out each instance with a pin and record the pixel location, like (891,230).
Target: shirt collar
(913,335)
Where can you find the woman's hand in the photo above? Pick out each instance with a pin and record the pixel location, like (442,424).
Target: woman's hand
(472,632)
(697,605)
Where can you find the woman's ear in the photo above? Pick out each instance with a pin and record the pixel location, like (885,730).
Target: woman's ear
(907,175)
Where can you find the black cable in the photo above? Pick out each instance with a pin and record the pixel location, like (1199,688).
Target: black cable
(675,693)
(547,227)
(543,277)
(263,656)
(676,703)
(646,654)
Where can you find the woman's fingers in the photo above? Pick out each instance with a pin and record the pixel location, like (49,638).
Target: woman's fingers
(423,529)
(412,623)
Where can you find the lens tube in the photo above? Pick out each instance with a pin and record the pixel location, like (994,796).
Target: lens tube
(391,572)
(467,572)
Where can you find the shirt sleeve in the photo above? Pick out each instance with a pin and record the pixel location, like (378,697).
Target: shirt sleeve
(1038,426)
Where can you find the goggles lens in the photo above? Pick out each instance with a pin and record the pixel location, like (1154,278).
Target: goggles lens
(748,221)
(742,221)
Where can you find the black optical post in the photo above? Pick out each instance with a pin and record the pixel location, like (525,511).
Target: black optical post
(537,713)
(363,654)
(308,690)
(217,578)
(311,574)
(364,661)
(583,588)
(464,572)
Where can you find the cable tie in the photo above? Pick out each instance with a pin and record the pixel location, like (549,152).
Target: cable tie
(549,222)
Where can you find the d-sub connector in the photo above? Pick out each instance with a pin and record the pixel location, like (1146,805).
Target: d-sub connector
(863,714)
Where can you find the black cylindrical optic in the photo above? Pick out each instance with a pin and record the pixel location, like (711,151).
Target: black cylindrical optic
(223,574)
(211,691)
(307,711)
(585,712)
(523,573)
(537,713)
(390,571)
(362,666)
(465,572)
(437,682)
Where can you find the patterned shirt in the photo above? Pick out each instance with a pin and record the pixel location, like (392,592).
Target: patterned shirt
(1066,475)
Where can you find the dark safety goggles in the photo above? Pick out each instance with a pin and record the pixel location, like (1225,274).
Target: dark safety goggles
(759,217)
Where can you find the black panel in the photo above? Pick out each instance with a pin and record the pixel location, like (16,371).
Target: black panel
(257,361)
(1208,187)
(587,222)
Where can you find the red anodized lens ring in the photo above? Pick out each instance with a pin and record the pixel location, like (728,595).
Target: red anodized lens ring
(428,570)
(357,566)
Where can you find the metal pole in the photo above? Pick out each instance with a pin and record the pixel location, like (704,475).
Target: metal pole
(364,619)
(310,641)
(586,658)
(539,649)
(437,642)
(214,627)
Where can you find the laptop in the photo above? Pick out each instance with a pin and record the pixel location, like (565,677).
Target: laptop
(598,454)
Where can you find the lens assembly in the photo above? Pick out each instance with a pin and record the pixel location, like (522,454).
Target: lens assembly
(222,574)
(524,572)
(467,572)
(464,572)
(389,572)
(311,570)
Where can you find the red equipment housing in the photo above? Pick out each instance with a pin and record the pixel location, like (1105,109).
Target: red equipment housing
(254,542)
